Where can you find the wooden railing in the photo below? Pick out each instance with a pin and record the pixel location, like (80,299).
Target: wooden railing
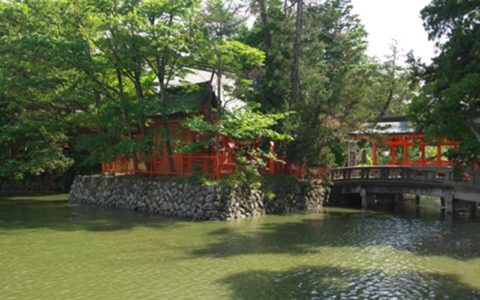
(430,174)
(211,165)
(214,165)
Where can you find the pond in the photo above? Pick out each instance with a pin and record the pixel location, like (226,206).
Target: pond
(55,250)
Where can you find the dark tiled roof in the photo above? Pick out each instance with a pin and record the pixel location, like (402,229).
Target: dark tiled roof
(387,125)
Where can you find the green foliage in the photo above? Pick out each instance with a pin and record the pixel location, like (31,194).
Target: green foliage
(38,93)
(341,88)
(449,102)
(269,196)
(247,126)
(242,124)
(198,177)
(81,78)
(237,57)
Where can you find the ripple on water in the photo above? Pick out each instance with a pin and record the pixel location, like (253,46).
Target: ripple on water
(50,251)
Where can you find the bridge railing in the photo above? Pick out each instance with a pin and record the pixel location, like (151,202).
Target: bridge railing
(404,173)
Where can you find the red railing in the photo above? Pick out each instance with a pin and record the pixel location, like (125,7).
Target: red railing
(211,165)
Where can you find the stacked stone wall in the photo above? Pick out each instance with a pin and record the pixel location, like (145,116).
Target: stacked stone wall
(197,202)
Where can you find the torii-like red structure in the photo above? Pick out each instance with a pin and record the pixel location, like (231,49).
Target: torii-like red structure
(394,131)
(409,140)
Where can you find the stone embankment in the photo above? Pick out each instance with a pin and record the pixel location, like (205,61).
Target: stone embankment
(197,202)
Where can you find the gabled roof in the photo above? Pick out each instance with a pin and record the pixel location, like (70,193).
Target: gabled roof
(181,99)
(196,76)
(187,94)
(387,125)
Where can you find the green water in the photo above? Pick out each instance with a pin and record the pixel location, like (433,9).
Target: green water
(61,251)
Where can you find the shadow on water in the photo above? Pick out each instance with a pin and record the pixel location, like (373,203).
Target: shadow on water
(347,228)
(313,282)
(63,216)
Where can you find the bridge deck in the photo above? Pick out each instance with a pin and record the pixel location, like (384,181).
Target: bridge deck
(435,181)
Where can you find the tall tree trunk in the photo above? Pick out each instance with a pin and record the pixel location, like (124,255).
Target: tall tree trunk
(219,100)
(210,97)
(140,96)
(297,53)
(264,18)
(473,128)
(161,68)
(122,98)
(392,84)
(166,130)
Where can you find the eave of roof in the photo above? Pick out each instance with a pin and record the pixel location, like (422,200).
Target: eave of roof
(388,125)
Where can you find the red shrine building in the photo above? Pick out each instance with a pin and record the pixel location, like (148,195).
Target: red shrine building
(393,141)
(198,99)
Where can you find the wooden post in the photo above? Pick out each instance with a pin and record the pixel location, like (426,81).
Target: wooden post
(448,207)
(217,167)
(393,155)
(374,154)
(438,162)
(422,149)
(182,172)
(152,165)
(363,195)
(405,152)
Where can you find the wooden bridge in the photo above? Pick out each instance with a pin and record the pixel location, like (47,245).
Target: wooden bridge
(459,191)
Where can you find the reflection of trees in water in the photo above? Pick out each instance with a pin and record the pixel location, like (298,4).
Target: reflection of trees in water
(428,237)
(313,282)
(67,217)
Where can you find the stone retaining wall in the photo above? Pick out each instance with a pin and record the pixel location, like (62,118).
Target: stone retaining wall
(198,202)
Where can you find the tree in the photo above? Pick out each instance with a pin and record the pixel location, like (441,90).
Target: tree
(247,126)
(273,33)
(393,87)
(339,86)
(38,94)
(336,78)
(132,51)
(228,59)
(449,102)
(297,50)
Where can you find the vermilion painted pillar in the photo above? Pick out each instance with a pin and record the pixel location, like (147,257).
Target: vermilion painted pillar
(271,162)
(374,154)
(438,162)
(217,166)
(405,152)
(422,150)
(393,155)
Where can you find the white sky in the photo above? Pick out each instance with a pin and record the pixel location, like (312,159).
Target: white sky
(385,20)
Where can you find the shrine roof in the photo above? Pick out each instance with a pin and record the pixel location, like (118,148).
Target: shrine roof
(387,125)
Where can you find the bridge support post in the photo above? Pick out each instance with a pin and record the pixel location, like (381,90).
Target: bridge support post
(417,205)
(465,208)
(398,198)
(363,194)
(447,204)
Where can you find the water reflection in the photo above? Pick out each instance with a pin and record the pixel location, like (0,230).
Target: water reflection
(311,282)
(57,250)
(17,215)
(351,228)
